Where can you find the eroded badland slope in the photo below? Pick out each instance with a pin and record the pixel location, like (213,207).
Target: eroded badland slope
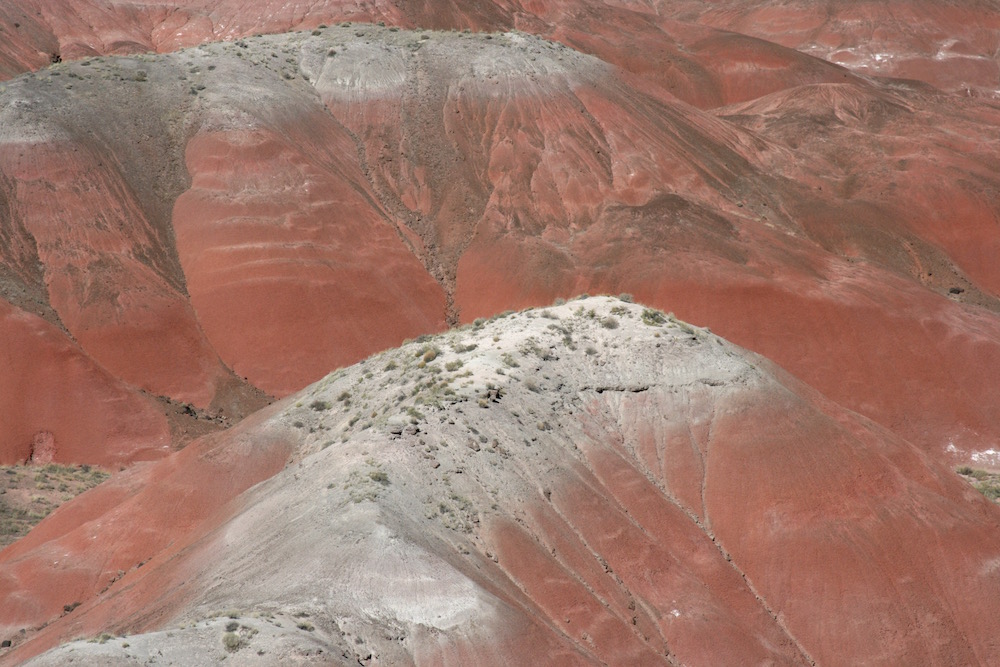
(198,220)
(590,483)
(189,233)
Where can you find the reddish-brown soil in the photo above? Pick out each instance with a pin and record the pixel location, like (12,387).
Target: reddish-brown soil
(212,255)
(187,234)
(29,493)
(678,500)
(298,274)
(539,173)
(49,388)
(178,499)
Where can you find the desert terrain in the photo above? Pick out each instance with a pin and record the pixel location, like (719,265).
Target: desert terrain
(304,277)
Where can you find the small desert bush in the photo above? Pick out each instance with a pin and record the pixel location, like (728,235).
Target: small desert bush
(989,489)
(653,318)
(231,641)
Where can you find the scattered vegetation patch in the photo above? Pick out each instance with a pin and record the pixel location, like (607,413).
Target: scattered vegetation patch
(653,318)
(28,494)
(319,406)
(987,483)
(609,322)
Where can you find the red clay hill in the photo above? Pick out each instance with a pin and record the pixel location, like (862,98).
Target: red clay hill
(205,208)
(206,228)
(594,483)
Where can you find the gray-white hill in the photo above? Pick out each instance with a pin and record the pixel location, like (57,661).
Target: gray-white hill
(590,483)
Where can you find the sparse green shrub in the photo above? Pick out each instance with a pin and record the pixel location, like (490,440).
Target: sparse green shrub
(609,322)
(453,365)
(653,318)
(319,406)
(509,360)
(379,476)
(989,489)
(344,396)
(626,297)
(231,641)
(232,626)
(591,350)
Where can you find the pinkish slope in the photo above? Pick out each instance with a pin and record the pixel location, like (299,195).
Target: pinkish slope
(706,54)
(54,396)
(489,173)
(300,273)
(664,498)
(951,45)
